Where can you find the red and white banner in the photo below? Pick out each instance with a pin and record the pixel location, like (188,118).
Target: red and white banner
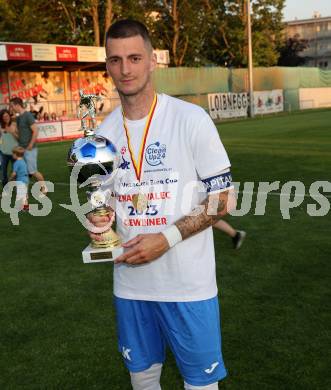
(19,52)
(66,53)
(49,52)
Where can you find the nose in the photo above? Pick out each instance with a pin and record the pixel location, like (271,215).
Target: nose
(125,68)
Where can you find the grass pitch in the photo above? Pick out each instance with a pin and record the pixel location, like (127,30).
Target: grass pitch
(56,315)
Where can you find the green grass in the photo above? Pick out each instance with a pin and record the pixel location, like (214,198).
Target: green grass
(56,316)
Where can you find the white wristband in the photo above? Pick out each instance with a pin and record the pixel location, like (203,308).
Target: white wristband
(173,235)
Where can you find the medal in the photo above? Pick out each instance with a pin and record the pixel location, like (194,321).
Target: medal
(140,202)
(137,165)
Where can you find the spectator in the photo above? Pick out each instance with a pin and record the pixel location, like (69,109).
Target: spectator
(64,115)
(8,138)
(53,116)
(46,116)
(27,136)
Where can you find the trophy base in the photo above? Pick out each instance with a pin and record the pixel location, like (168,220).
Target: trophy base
(101,255)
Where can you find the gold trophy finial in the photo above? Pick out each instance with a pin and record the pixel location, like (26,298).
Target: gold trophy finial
(87,108)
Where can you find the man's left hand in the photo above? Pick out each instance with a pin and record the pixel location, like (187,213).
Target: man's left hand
(144,248)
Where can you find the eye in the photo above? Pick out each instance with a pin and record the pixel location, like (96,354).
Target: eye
(113,61)
(135,59)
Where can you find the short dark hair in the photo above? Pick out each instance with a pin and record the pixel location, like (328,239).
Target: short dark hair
(127,28)
(17,101)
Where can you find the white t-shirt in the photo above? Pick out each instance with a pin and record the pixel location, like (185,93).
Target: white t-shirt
(182,147)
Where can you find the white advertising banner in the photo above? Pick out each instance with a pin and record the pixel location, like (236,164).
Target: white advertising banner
(314,97)
(266,102)
(71,129)
(49,131)
(3,53)
(91,54)
(228,105)
(162,56)
(43,52)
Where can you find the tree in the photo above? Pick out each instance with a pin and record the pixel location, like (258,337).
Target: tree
(180,27)
(196,32)
(227,42)
(33,22)
(289,53)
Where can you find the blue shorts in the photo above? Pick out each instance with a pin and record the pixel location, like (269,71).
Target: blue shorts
(30,157)
(190,329)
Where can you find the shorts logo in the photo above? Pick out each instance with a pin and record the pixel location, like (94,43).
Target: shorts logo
(212,368)
(125,353)
(155,153)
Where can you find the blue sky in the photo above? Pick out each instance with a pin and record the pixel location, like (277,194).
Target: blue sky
(304,9)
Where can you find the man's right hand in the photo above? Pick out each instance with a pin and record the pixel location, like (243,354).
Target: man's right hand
(100,222)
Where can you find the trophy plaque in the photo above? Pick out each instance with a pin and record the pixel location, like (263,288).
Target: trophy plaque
(95,156)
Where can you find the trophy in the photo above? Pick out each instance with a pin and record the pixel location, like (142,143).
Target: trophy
(94,157)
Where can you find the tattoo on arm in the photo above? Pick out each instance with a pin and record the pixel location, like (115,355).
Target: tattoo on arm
(206,214)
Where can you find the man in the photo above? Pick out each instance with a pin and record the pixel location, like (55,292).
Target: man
(27,137)
(164,283)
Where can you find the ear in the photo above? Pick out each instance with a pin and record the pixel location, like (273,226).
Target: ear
(153,62)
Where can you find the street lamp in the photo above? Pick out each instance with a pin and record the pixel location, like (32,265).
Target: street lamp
(250,60)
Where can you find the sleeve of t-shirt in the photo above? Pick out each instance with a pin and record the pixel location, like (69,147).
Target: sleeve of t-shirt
(210,156)
(30,119)
(15,167)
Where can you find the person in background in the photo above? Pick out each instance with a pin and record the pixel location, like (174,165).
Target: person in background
(8,142)
(53,116)
(64,115)
(20,175)
(27,133)
(46,117)
(237,236)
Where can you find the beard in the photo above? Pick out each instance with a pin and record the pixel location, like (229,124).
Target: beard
(134,92)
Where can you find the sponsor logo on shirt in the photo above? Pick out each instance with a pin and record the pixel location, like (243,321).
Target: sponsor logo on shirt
(123,150)
(155,154)
(124,164)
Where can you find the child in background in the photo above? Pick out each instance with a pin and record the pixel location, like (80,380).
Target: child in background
(237,236)
(21,176)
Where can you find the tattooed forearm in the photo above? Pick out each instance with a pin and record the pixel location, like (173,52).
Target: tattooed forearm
(207,214)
